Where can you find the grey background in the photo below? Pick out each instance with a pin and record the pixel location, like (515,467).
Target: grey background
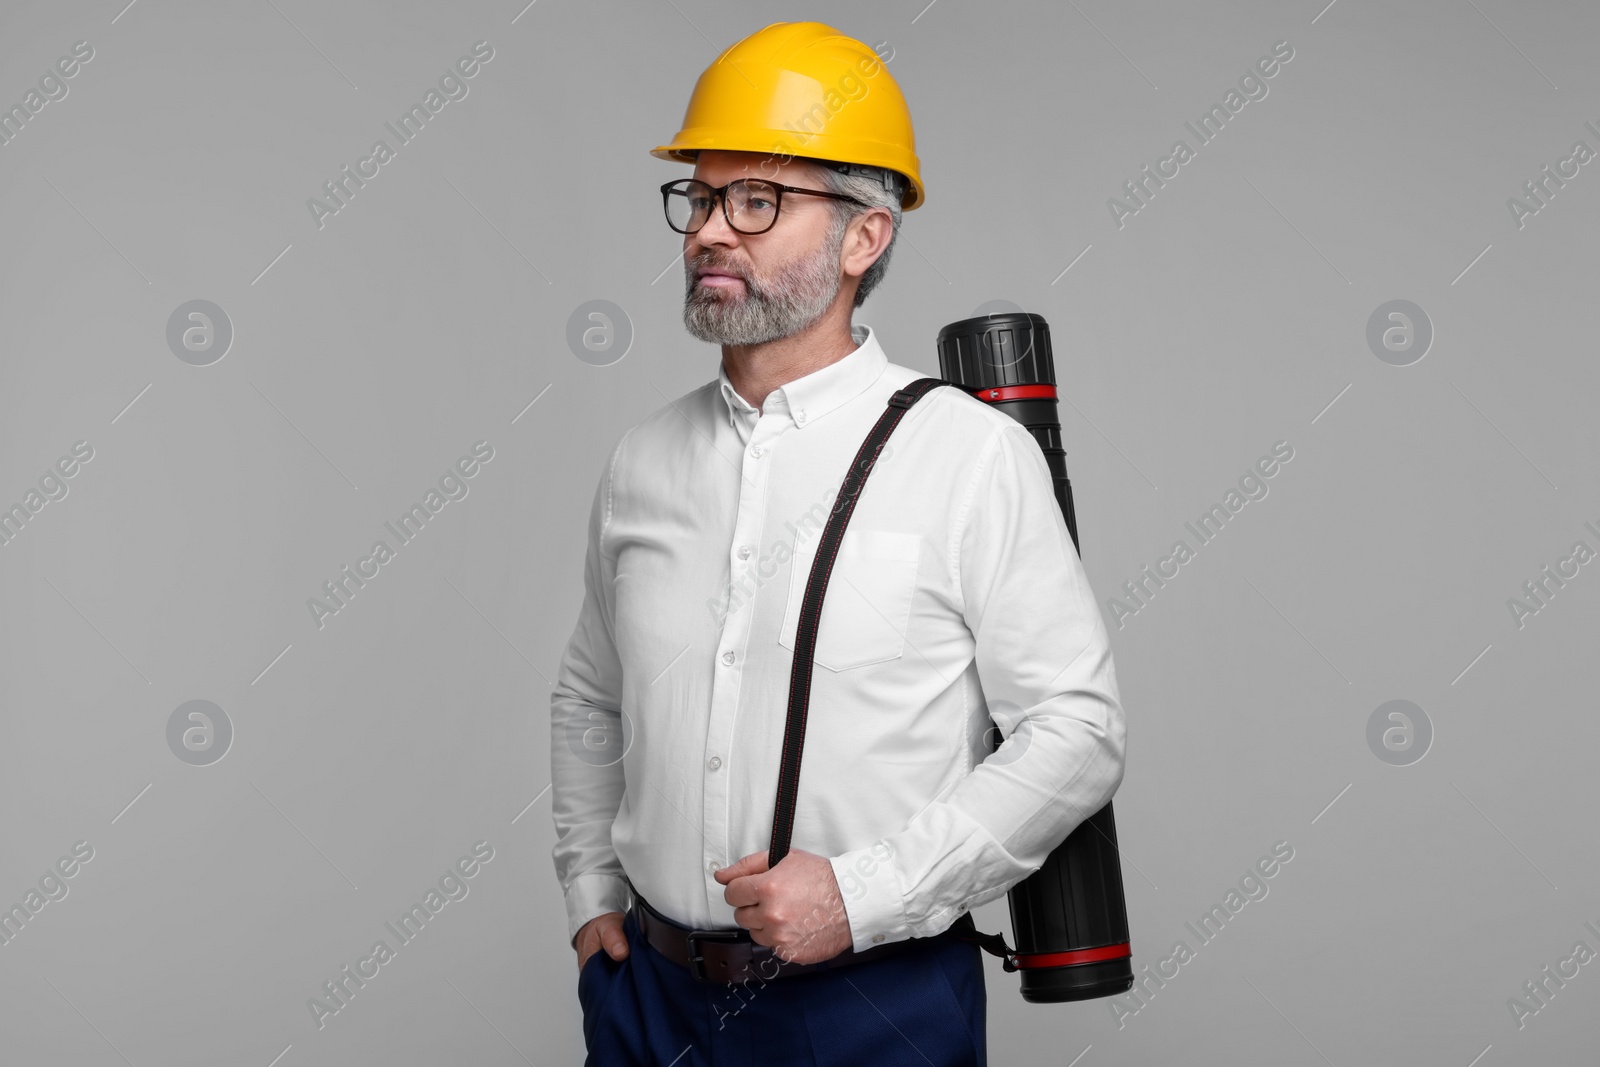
(1230,313)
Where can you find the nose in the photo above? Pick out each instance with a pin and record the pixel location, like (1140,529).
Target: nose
(716,230)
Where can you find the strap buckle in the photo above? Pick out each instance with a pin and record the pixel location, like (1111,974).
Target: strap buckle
(994,944)
(697,963)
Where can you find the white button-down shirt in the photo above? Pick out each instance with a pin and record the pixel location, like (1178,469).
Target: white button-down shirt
(957,596)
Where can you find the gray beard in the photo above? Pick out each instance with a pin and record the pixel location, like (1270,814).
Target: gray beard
(797,297)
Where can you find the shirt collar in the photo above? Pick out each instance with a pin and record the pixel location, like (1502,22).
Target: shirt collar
(812,396)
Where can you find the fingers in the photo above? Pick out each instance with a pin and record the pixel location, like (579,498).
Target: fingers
(612,936)
(751,918)
(741,894)
(744,880)
(602,932)
(755,863)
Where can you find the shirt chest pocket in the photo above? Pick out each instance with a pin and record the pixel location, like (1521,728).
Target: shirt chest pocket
(868,602)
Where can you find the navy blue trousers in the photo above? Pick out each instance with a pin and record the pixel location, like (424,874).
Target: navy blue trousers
(922,1007)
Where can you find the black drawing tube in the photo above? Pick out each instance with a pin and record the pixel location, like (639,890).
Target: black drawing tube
(1070,917)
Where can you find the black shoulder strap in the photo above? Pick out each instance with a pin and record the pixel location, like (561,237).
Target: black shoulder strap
(805,641)
(805,635)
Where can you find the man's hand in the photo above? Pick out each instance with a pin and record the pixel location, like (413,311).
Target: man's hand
(795,907)
(602,931)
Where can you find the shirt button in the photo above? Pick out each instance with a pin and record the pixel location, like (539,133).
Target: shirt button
(876,938)
(756,451)
(712,867)
(727,657)
(714,762)
(800,416)
(744,551)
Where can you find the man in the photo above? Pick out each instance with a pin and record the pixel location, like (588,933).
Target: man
(956,584)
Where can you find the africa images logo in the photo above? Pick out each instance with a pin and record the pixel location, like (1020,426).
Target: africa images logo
(341,989)
(1253,486)
(452,86)
(452,486)
(1252,86)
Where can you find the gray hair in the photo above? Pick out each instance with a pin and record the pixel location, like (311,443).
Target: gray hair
(876,187)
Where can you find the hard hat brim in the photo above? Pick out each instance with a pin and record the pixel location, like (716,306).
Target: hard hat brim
(783,143)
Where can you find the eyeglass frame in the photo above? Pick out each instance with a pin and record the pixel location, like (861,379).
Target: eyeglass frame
(718,193)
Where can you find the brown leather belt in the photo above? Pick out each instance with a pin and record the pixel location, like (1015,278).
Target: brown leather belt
(731,955)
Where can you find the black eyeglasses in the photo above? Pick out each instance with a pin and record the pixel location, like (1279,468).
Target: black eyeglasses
(753,201)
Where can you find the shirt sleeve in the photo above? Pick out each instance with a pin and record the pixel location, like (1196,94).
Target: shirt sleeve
(586,775)
(1044,663)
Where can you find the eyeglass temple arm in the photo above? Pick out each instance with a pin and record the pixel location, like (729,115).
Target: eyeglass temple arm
(891,181)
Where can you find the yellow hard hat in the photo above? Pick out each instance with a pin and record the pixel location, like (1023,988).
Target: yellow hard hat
(801,89)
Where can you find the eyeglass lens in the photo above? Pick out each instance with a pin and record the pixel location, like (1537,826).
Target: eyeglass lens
(752,205)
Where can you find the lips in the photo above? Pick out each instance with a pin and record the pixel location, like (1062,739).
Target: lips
(712,271)
(717,279)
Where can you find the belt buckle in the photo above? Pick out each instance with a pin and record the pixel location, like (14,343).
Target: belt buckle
(697,961)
